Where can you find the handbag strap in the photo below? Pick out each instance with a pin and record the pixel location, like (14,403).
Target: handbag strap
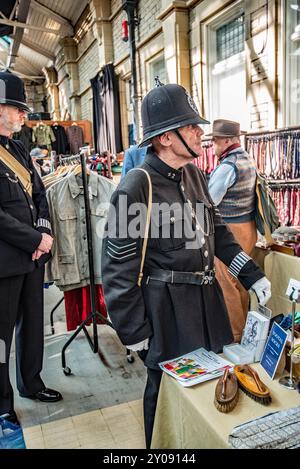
(20,171)
(147,226)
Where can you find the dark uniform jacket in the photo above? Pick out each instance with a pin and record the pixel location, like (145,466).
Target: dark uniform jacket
(22,218)
(177,317)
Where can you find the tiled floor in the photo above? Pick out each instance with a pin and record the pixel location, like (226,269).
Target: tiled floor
(102,400)
(120,426)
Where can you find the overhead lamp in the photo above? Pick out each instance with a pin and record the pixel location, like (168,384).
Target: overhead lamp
(295,7)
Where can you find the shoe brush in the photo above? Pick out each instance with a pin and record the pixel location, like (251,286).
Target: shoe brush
(226,392)
(251,384)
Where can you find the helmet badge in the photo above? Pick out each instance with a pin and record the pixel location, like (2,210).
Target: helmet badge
(191,103)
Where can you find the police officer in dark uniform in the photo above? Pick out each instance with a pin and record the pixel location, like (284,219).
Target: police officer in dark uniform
(25,241)
(179,306)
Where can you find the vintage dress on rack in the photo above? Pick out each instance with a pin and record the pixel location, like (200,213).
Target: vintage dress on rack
(75,138)
(78,306)
(61,144)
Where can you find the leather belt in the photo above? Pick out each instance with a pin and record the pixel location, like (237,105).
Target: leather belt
(171,276)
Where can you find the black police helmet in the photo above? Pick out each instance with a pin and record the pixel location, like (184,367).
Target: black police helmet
(167,107)
(12,91)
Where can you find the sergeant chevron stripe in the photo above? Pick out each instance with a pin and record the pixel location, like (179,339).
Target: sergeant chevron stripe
(121,251)
(238,263)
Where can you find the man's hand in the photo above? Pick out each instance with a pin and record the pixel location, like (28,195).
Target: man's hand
(37,254)
(143,345)
(46,243)
(262,289)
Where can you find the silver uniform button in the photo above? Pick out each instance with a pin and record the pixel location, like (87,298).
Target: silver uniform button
(202,240)
(206,267)
(198,227)
(7,174)
(31,206)
(172,219)
(206,253)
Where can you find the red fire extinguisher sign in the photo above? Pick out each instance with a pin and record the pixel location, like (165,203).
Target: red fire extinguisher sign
(125,30)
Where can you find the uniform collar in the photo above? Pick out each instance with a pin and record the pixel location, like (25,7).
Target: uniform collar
(75,187)
(165,170)
(4,141)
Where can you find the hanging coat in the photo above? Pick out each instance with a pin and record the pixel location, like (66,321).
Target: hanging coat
(178,317)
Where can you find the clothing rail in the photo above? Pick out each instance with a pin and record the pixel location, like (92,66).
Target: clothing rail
(282,182)
(68,159)
(284,130)
(93,342)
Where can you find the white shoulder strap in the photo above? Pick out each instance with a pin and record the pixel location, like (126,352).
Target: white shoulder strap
(148,218)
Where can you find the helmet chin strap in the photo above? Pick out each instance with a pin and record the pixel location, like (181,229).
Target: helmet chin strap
(194,155)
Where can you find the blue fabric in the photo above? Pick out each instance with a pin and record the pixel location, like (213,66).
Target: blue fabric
(11,436)
(221,179)
(134,156)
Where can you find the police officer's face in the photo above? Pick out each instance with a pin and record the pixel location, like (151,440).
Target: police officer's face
(11,118)
(192,134)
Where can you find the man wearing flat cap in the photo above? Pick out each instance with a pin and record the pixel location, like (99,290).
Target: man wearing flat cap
(232,188)
(25,241)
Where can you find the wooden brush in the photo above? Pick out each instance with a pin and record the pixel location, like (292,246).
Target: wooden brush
(226,392)
(251,384)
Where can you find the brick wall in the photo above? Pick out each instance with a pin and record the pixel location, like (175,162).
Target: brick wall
(88,66)
(120,47)
(86,106)
(147,12)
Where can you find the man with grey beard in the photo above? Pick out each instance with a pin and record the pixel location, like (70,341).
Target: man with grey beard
(176,305)
(25,243)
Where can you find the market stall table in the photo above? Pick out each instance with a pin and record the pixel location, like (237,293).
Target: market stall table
(187,418)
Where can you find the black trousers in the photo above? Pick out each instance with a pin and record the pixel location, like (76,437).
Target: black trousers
(150,401)
(22,307)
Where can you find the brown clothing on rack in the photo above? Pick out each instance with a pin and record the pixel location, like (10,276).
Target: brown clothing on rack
(75,137)
(235,295)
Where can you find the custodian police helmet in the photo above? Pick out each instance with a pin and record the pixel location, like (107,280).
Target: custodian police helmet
(167,107)
(12,91)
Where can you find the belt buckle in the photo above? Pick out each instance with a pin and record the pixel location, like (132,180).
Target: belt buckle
(211,276)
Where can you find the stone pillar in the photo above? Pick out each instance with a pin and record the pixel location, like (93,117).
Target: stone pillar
(68,57)
(175,23)
(102,29)
(52,91)
(261,63)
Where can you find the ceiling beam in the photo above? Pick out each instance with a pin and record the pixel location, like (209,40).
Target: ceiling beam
(38,49)
(64,22)
(29,26)
(28,66)
(18,34)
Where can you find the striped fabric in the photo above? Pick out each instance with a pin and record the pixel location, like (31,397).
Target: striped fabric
(42,222)
(238,263)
